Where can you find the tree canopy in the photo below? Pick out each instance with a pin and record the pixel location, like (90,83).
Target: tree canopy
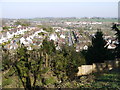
(117,49)
(97,52)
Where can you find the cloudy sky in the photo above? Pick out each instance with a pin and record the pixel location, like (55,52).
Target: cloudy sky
(58,8)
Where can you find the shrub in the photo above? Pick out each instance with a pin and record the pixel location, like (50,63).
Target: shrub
(7,82)
(49,81)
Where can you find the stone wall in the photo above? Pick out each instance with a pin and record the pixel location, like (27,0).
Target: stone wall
(98,67)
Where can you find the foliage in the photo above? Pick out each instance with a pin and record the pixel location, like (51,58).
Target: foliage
(23,23)
(46,28)
(6,82)
(36,65)
(5,28)
(97,52)
(29,63)
(48,46)
(41,33)
(59,65)
(18,23)
(48,49)
(6,62)
(32,70)
(22,67)
(74,59)
(107,80)
(50,80)
(117,49)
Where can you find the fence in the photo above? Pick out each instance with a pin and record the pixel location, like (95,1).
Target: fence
(98,67)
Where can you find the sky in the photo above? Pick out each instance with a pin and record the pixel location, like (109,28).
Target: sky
(59,0)
(61,8)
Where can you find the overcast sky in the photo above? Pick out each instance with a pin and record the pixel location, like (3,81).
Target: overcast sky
(30,9)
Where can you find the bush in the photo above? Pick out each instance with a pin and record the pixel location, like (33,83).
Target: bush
(49,81)
(7,82)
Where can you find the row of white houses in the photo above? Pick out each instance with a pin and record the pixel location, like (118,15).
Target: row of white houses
(5,36)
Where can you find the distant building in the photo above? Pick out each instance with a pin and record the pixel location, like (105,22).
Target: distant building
(53,37)
(62,36)
(70,41)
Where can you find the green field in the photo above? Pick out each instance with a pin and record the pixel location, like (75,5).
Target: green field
(75,19)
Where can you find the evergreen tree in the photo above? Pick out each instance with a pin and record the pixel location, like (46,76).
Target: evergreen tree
(117,49)
(97,52)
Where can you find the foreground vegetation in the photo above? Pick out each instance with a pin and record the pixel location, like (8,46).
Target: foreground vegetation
(106,80)
(42,67)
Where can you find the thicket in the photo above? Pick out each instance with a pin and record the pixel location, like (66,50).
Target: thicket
(45,65)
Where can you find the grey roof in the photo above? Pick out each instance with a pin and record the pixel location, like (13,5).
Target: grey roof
(11,32)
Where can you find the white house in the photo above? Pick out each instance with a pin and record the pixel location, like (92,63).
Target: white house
(29,40)
(57,30)
(53,37)
(22,40)
(26,43)
(9,35)
(13,46)
(62,36)
(19,26)
(4,39)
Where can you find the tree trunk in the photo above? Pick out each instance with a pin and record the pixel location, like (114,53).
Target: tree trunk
(28,83)
(46,60)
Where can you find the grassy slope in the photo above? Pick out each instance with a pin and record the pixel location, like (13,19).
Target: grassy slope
(110,79)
